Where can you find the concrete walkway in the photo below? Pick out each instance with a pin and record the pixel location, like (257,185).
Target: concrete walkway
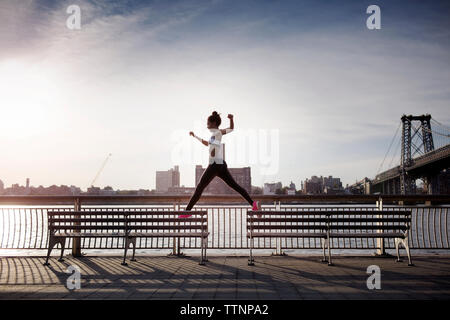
(225,277)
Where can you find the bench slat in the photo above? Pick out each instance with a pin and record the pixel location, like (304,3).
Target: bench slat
(169,213)
(87,227)
(181,220)
(323,235)
(368,235)
(368,227)
(89,234)
(99,220)
(123,227)
(287,220)
(292,220)
(173,213)
(329,212)
(282,226)
(331,227)
(400,220)
(168,234)
(167,227)
(287,234)
(86,213)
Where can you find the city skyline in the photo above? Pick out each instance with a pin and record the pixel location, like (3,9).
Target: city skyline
(251,154)
(133,75)
(242,175)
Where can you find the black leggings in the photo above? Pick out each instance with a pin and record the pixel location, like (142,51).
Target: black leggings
(220,170)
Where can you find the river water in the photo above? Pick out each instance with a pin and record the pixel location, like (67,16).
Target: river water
(23,231)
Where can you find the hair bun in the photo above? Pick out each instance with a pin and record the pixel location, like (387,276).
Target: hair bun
(215,117)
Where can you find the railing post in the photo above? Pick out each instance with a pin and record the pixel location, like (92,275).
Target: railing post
(174,239)
(278,251)
(380,241)
(176,250)
(76,242)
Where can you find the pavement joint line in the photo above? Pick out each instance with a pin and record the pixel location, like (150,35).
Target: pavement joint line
(227,277)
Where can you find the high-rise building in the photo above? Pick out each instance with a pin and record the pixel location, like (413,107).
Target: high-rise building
(332,183)
(291,190)
(271,188)
(218,186)
(292,185)
(167,179)
(319,185)
(360,187)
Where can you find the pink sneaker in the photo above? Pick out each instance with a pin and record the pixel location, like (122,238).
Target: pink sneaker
(257,207)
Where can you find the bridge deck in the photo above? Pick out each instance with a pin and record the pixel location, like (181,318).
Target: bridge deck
(427,159)
(225,277)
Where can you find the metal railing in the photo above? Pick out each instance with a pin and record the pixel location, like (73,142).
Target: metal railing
(25,226)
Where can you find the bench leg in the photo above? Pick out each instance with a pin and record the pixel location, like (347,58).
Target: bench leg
(323,240)
(330,263)
(206,247)
(251,261)
(397,249)
(202,252)
(406,244)
(278,250)
(127,244)
(63,245)
(133,242)
(51,244)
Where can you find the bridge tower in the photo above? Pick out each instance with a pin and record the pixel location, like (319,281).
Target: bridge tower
(427,136)
(408,183)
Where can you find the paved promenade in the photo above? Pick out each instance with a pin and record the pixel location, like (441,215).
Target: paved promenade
(225,277)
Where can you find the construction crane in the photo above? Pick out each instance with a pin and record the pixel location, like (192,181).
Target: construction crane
(101,169)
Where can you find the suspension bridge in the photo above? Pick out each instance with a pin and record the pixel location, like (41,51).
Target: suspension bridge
(422,152)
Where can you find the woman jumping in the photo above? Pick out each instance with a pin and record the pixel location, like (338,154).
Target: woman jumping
(217,165)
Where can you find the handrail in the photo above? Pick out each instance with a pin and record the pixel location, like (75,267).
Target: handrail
(25,227)
(219,199)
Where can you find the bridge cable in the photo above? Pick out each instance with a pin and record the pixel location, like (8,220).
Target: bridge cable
(440,124)
(417,148)
(389,149)
(435,132)
(396,152)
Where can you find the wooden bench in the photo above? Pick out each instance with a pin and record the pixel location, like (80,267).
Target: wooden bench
(150,224)
(285,224)
(128,225)
(328,224)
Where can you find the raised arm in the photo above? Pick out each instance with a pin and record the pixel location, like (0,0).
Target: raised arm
(206,143)
(229,129)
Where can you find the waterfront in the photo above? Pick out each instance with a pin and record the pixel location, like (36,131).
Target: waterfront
(225,277)
(24,231)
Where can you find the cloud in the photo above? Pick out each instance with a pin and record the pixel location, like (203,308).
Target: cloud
(136,73)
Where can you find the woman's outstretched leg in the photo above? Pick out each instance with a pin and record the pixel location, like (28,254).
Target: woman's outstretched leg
(226,176)
(206,178)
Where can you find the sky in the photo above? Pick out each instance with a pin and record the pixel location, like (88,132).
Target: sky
(313,91)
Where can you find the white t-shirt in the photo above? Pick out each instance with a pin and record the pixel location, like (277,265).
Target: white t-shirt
(215,143)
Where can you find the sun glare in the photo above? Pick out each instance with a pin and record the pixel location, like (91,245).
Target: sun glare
(27,93)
